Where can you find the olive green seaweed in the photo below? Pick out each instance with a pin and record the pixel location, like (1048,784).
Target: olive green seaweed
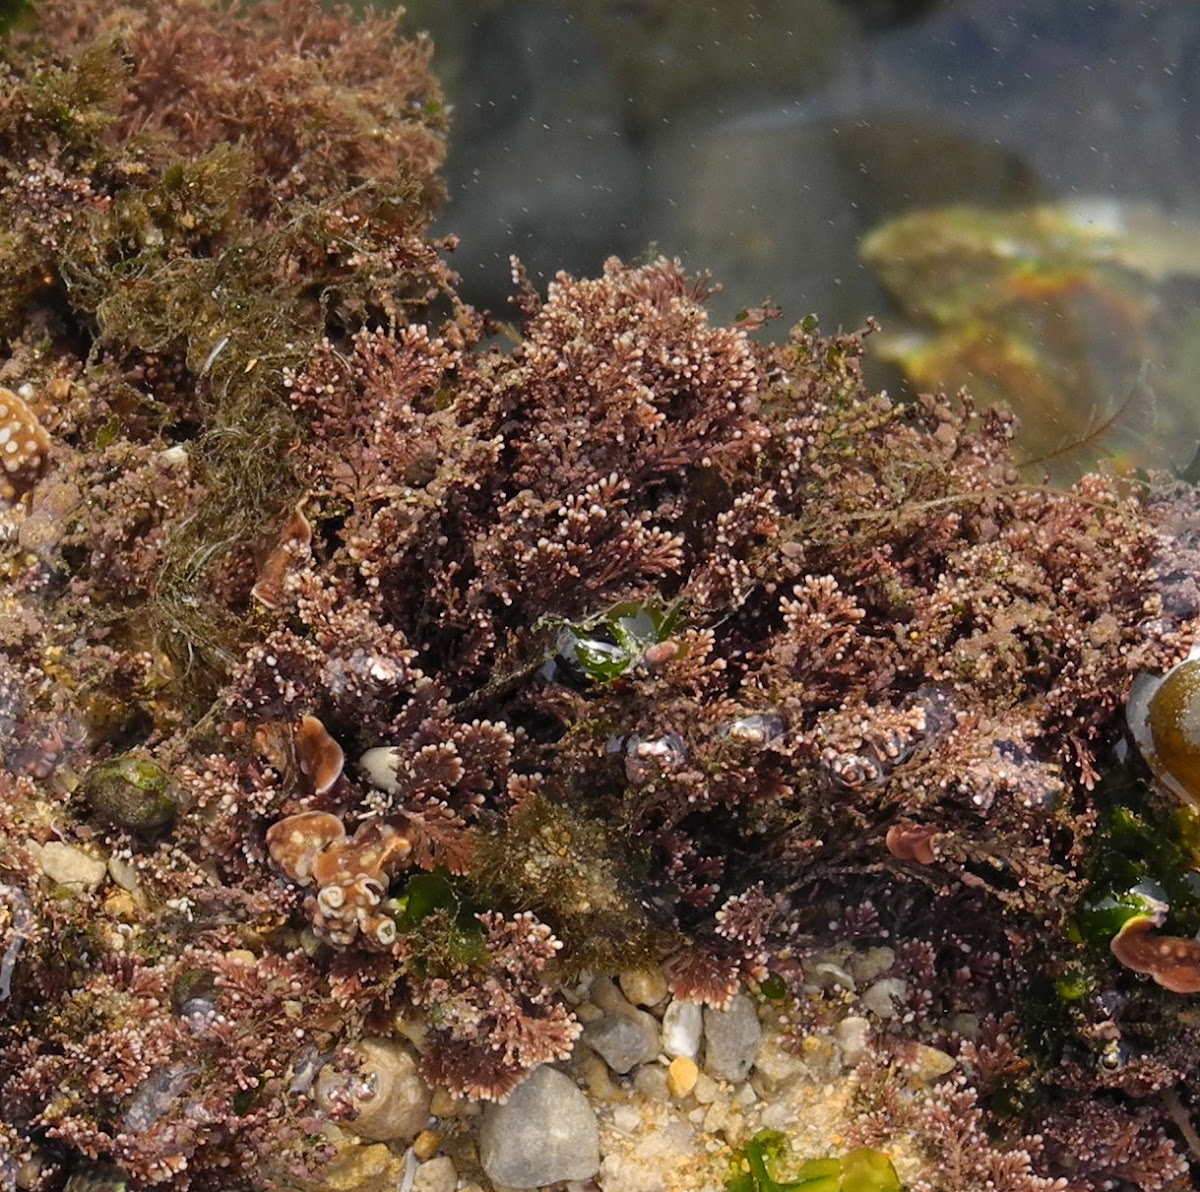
(861,1170)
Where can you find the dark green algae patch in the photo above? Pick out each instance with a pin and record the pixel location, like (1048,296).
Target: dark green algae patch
(672,637)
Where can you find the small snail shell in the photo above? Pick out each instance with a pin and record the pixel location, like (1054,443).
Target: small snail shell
(386,1099)
(1164,720)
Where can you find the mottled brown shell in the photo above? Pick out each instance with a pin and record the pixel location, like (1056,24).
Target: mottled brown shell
(1174,962)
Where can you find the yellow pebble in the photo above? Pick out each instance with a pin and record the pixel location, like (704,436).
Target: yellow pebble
(643,987)
(426,1144)
(444,1104)
(927,1064)
(682,1076)
(120,905)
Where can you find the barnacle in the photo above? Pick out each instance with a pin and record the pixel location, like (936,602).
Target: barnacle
(755,731)
(649,757)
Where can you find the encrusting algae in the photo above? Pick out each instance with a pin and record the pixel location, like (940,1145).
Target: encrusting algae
(369,693)
(23,447)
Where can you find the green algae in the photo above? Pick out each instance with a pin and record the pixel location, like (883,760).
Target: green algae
(1140,861)
(565,863)
(863,1169)
(603,648)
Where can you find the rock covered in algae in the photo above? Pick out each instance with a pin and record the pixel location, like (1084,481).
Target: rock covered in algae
(354,1167)
(1052,310)
(132,792)
(877,625)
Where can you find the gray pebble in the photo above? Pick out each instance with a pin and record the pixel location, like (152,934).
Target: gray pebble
(623,1040)
(545,1132)
(731,1039)
(436,1175)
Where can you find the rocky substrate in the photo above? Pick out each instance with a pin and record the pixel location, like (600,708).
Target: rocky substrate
(658,1096)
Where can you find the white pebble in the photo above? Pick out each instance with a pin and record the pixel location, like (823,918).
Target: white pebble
(682,1025)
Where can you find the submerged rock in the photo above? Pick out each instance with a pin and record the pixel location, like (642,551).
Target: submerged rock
(623,1040)
(72,867)
(132,792)
(731,1039)
(545,1132)
(1080,316)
